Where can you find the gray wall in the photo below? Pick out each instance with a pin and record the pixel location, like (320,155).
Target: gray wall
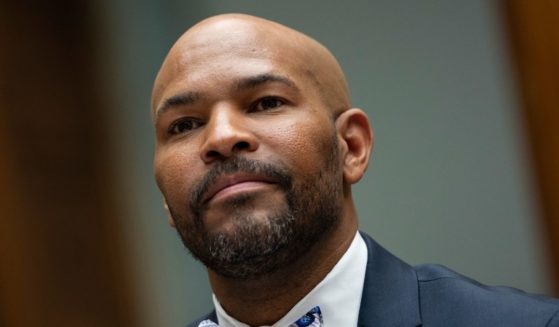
(449,181)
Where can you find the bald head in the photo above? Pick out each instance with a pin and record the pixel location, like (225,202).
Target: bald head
(213,39)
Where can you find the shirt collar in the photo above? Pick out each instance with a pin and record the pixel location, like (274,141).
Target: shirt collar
(338,294)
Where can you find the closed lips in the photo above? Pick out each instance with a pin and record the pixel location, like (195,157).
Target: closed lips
(231,183)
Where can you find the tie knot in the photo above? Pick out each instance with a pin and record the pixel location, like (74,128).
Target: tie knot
(311,318)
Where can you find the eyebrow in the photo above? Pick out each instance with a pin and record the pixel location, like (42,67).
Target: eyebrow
(182,99)
(255,81)
(189,98)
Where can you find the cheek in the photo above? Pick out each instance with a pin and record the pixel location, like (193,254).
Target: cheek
(174,170)
(301,143)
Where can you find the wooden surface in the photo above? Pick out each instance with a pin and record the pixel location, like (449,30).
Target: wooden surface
(62,258)
(534,35)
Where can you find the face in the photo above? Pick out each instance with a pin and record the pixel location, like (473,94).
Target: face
(246,155)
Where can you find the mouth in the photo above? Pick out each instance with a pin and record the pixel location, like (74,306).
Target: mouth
(229,185)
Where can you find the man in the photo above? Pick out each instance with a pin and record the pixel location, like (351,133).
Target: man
(257,148)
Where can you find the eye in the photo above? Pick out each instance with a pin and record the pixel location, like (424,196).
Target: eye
(184,125)
(267,103)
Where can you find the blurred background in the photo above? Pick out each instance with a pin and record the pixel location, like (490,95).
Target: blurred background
(462,96)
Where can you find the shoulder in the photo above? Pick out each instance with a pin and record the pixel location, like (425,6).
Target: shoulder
(446,296)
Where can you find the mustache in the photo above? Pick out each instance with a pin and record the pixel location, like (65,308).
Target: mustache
(274,172)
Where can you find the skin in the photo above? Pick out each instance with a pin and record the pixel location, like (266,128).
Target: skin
(288,119)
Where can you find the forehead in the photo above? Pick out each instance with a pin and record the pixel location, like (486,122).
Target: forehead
(216,56)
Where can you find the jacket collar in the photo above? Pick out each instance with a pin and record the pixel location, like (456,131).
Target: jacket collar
(390,292)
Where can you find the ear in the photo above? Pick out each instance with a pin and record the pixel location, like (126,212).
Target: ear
(356,141)
(170,219)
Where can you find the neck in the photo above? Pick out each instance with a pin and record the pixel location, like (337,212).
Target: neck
(275,294)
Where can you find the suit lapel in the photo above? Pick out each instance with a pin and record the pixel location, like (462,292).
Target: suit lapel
(390,293)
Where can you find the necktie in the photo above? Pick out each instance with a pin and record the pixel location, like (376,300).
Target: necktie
(313,318)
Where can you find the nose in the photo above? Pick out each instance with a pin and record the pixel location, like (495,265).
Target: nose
(226,134)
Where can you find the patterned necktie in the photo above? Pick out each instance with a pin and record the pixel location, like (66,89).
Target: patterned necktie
(313,318)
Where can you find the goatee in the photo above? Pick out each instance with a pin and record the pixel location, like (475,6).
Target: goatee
(254,246)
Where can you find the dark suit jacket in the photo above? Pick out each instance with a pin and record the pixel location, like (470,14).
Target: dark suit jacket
(398,295)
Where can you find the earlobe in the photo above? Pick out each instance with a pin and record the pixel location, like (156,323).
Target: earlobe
(170,219)
(357,137)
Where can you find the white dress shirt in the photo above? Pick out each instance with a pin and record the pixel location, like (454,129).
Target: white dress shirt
(338,295)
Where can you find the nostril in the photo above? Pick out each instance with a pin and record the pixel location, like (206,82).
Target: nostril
(213,154)
(241,146)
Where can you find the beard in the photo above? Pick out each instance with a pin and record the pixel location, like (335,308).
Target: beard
(254,246)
